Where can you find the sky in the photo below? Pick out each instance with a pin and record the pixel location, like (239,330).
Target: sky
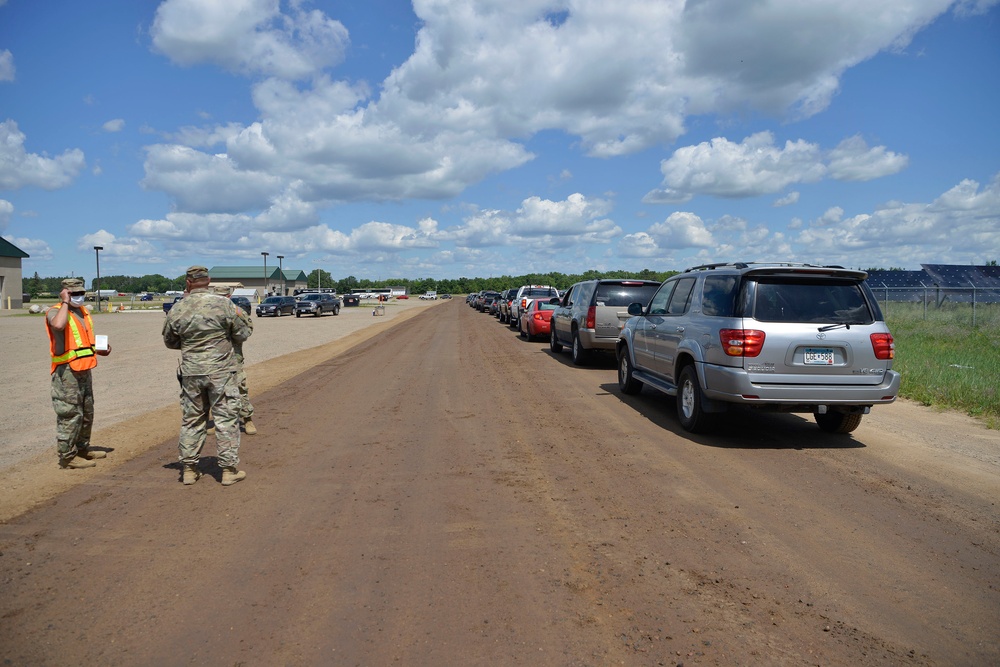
(476,138)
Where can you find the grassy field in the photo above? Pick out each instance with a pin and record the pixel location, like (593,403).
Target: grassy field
(945,361)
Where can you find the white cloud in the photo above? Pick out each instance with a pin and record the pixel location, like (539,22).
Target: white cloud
(853,160)
(38,249)
(6,211)
(7,69)
(116,125)
(19,168)
(249,36)
(622,78)
(756,167)
(961,223)
(787,200)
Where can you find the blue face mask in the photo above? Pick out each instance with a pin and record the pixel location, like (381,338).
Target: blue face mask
(77,300)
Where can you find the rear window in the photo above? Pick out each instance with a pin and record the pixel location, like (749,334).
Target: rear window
(545,305)
(534,291)
(814,301)
(622,295)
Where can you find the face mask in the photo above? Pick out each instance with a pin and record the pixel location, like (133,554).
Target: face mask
(77,300)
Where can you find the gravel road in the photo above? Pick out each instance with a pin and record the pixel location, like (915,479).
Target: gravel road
(445,493)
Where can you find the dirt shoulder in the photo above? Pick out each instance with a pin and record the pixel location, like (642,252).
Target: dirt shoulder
(136,404)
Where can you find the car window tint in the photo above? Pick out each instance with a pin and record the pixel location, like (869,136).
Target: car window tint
(819,301)
(658,305)
(545,305)
(681,296)
(622,295)
(718,297)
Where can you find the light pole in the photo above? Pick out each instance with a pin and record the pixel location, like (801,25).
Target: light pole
(282,272)
(97,253)
(265,273)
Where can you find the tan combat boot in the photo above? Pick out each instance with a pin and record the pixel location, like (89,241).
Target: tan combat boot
(230,475)
(91,454)
(191,475)
(249,427)
(76,462)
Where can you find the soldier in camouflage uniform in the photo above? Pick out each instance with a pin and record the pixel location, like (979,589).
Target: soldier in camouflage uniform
(205,328)
(246,407)
(72,347)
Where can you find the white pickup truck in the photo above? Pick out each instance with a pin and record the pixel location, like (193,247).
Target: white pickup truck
(429,296)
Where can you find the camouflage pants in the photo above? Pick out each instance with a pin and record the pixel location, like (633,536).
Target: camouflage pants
(220,395)
(73,400)
(246,407)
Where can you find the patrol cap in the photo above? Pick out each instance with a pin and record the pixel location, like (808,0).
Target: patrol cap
(73,284)
(221,290)
(196,272)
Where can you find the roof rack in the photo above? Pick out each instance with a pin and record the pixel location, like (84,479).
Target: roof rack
(746,265)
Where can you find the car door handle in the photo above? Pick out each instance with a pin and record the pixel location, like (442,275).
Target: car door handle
(678,329)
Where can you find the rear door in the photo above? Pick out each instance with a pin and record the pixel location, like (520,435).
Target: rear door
(611,301)
(817,330)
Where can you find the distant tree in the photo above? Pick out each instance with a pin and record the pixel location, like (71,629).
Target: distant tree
(992,262)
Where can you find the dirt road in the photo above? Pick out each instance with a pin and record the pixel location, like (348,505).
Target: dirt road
(445,493)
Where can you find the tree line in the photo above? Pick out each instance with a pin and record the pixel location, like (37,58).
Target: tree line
(158,284)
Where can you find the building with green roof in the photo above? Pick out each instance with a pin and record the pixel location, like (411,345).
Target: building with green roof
(276,281)
(11,288)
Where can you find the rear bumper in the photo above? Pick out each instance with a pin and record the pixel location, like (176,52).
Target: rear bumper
(733,385)
(591,341)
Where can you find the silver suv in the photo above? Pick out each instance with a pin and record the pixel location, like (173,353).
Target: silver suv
(782,337)
(592,312)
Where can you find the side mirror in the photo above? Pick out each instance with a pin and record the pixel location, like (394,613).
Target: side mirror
(555,301)
(635,309)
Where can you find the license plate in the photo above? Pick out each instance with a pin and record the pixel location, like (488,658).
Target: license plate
(819,356)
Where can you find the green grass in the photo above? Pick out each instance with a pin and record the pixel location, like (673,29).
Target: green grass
(946,362)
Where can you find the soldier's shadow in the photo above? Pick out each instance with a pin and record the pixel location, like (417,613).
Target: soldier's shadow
(208,466)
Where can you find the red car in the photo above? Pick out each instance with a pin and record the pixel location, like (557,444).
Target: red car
(536,318)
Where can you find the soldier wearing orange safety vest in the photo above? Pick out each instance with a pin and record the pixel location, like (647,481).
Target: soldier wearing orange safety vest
(73,352)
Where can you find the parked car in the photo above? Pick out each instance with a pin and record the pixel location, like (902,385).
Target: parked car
(592,313)
(317,304)
(242,302)
(535,319)
(145,297)
(506,298)
(525,292)
(276,306)
(445,296)
(170,304)
(782,337)
(484,300)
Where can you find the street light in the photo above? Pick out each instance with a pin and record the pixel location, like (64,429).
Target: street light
(282,272)
(97,253)
(265,272)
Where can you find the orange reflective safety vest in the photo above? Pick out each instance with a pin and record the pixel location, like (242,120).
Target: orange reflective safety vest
(78,341)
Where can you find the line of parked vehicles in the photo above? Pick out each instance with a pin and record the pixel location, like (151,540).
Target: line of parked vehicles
(783,337)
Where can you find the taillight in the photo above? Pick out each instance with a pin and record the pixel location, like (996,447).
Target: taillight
(883,345)
(592,317)
(539,316)
(524,304)
(742,342)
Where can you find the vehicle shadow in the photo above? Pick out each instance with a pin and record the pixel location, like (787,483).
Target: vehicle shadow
(738,428)
(598,360)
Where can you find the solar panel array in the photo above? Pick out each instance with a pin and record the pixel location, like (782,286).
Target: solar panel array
(957,283)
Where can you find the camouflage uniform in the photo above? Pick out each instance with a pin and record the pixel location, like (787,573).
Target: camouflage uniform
(246,407)
(72,392)
(205,328)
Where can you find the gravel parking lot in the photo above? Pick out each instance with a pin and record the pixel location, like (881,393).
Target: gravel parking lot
(138,377)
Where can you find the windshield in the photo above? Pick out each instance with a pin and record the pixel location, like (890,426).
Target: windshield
(273,299)
(548,291)
(312,297)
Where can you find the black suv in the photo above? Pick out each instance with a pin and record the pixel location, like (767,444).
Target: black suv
(316,304)
(592,313)
(276,305)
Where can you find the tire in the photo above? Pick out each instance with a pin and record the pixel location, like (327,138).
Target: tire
(297,314)
(336,310)
(319,311)
(626,381)
(522,334)
(838,422)
(689,411)
(579,355)
(554,345)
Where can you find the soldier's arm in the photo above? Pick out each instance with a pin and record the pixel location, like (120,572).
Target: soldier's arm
(170,337)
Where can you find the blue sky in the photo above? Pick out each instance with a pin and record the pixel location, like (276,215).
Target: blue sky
(447,138)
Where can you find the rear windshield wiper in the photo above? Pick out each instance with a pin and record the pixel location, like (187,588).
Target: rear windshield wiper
(846,325)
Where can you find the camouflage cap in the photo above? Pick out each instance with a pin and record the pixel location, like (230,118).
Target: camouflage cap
(73,284)
(221,290)
(196,272)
